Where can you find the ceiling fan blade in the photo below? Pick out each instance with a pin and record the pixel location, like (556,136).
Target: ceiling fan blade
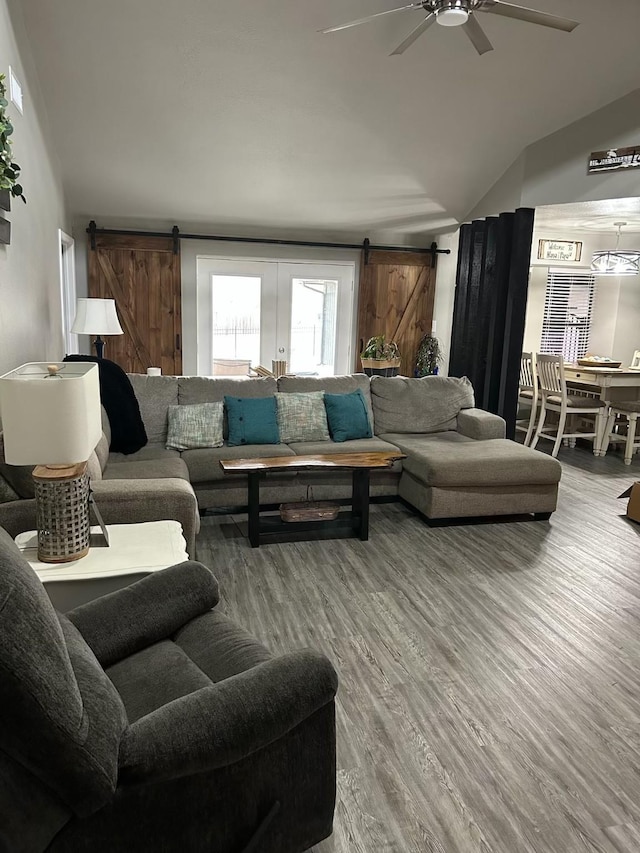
(370,18)
(522,13)
(414,34)
(477,36)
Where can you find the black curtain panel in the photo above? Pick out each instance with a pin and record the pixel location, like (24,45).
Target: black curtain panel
(489,309)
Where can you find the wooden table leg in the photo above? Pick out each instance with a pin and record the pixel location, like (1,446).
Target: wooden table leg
(360,501)
(254,509)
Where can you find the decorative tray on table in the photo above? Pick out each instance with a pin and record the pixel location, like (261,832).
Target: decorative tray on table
(599,361)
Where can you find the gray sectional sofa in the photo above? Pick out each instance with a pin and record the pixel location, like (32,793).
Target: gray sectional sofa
(458,463)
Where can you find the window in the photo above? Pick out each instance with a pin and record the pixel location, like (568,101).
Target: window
(568,309)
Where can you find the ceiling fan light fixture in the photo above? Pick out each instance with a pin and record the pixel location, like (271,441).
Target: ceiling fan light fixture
(452,14)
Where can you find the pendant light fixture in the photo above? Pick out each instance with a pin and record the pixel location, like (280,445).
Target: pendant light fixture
(617,261)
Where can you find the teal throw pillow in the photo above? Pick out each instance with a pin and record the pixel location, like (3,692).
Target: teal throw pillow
(252,420)
(194,426)
(302,417)
(347,415)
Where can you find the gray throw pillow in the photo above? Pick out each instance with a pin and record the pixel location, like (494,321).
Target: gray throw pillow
(194,426)
(302,417)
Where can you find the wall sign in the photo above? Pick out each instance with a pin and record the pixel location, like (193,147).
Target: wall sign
(614,160)
(559,250)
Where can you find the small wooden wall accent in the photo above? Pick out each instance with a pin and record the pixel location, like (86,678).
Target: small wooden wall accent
(489,311)
(142,274)
(396,295)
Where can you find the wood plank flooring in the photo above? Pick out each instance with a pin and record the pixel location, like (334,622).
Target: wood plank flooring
(489,694)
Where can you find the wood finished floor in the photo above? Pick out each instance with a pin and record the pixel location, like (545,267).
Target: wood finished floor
(489,675)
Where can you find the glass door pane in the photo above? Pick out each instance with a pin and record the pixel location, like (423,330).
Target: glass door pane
(313,326)
(236,315)
(315,317)
(236,304)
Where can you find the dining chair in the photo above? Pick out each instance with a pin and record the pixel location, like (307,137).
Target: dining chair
(630,409)
(528,394)
(554,397)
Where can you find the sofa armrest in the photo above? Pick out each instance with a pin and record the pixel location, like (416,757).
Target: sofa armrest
(130,619)
(222,724)
(18,516)
(480,425)
(131,501)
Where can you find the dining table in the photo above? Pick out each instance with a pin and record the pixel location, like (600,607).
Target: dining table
(610,384)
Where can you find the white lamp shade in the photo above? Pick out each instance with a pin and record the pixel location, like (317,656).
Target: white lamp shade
(50,420)
(96,317)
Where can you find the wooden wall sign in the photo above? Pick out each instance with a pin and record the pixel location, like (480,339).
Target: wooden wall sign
(614,160)
(559,250)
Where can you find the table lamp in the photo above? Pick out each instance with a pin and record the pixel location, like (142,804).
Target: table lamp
(96,317)
(51,419)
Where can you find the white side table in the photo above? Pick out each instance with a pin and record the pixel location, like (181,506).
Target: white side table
(136,550)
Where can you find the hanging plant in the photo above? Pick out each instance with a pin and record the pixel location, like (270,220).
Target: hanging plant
(9,171)
(429,356)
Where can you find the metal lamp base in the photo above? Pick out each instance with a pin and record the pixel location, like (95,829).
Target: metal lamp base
(62,512)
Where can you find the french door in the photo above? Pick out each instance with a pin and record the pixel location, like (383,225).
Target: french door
(254,312)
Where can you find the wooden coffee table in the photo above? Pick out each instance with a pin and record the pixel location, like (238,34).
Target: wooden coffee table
(354,522)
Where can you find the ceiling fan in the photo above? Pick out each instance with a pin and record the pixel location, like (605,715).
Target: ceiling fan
(461,13)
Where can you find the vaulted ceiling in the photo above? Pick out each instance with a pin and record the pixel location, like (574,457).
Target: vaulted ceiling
(241,117)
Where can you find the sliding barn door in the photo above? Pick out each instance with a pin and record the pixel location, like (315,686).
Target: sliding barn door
(142,274)
(396,296)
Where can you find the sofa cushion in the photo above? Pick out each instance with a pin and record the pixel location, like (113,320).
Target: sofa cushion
(145,454)
(6,492)
(347,416)
(17,476)
(220,647)
(440,460)
(93,468)
(102,451)
(204,463)
(302,417)
(205,389)
(429,404)
(155,394)
(252,420)
(328,384)
(197,425)
(150,469)
(149,679)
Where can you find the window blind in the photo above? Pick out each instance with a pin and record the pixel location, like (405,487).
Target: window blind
(568,310)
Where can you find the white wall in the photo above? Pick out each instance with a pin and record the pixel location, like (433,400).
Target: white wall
(627,328)
(445,294)
(554,169)
(30,300)
(535,308)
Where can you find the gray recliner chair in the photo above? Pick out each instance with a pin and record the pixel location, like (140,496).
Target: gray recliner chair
(146,721)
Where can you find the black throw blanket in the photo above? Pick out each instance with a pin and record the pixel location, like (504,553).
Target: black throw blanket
(116,392)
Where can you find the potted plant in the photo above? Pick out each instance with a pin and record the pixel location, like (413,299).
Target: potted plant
(429,356)
(9,171)
(380,357)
